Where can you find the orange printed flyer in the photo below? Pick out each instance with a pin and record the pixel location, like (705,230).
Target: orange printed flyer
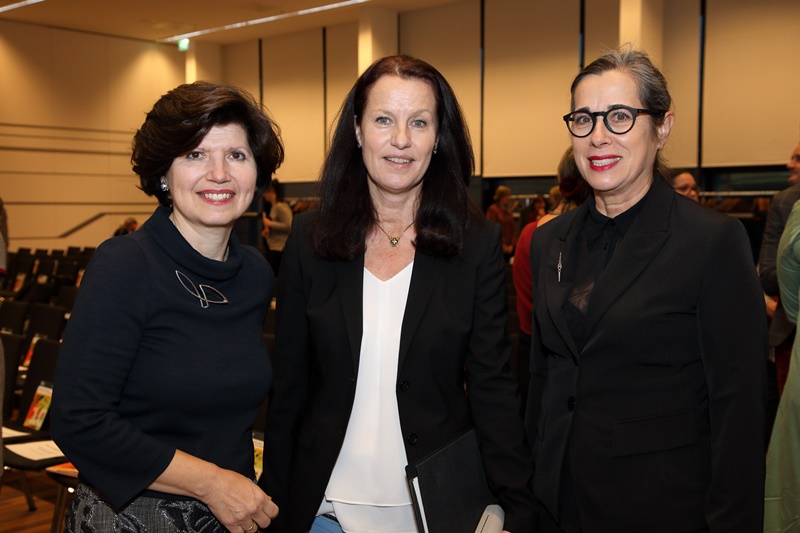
(39,407)
(65,469)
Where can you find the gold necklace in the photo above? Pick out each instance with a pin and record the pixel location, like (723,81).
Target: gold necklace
(394,241)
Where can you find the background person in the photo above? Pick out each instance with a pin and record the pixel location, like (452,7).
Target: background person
(502,212)
(573,191)
(646,405)
(781,329)
(685,184)
(277,223)
(391,325)
(3,222)
(781,506)
(129,225)
(162,369)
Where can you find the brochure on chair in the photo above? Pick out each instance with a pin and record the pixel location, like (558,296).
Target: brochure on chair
(449,488)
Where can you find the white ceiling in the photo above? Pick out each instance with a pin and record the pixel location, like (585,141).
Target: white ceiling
(153,20)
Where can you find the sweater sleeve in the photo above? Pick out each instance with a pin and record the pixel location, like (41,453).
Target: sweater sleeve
(99,348)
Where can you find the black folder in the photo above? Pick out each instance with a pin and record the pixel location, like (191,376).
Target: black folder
(449,488)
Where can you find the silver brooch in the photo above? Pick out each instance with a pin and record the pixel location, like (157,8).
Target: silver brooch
(205,293)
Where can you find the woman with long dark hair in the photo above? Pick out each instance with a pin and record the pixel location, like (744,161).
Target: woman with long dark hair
(391,318)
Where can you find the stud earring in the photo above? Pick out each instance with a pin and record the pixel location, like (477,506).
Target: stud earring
(164,186)
(358,144)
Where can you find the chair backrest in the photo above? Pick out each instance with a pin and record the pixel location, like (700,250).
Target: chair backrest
(36,293)
(42,368)
(11,270)
(67,270)
(23,271)
(12,348)
(46,321)
(45,268)
(12,316)
(66,296)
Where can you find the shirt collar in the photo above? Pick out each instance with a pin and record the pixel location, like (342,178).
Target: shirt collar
(596,222)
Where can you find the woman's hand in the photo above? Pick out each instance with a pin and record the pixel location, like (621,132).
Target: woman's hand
(239,504)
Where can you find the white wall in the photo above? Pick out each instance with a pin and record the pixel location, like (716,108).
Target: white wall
(70,105)
(70,102)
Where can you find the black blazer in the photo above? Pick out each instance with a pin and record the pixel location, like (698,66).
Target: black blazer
(455,319)
(661,412)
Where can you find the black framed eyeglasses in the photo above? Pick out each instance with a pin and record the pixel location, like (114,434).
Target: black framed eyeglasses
(618,120)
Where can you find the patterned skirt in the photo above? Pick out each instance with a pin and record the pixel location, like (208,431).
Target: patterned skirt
(89,513)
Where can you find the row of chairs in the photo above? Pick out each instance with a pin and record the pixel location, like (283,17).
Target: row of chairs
(40,371)
(40,278)
(31,334)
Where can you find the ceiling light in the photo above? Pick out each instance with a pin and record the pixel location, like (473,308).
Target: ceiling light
(19,4)
(261,20)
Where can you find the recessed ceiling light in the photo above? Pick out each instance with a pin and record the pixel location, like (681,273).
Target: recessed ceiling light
(261,20)
(15,5)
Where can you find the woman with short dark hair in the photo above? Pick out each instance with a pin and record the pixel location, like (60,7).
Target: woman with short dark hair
(163,368)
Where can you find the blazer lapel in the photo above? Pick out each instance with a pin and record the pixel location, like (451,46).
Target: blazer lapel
(350,276)
(560,276)
(424,277)
(634,253)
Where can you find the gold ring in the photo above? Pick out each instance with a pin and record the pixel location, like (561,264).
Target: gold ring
(252,526)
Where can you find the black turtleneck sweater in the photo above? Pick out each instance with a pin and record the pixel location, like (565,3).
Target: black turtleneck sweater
(153,361)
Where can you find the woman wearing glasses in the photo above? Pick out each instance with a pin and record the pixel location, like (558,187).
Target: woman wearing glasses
(649,336)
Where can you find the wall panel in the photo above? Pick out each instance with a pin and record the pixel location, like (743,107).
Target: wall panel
(294,93)
(341,69)
(751,113)
(601,26)
(531,51)
(448,37)
(240,66)
(26,82)
(71,103)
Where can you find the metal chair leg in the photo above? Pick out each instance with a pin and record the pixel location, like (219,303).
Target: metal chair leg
(57,526)
(26,489)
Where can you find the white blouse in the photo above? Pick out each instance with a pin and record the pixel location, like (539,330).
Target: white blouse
(368,491)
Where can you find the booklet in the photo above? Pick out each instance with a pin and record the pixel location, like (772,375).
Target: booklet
(449,488)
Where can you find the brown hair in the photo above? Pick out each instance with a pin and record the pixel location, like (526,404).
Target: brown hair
(181,119)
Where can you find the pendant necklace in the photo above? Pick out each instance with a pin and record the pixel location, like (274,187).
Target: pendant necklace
(394,241)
